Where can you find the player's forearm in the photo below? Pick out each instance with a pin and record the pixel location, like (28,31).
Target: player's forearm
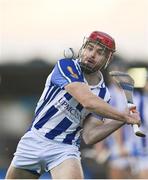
(102,108)
(82,93)
(100,132)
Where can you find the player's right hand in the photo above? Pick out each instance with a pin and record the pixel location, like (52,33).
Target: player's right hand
(134,118)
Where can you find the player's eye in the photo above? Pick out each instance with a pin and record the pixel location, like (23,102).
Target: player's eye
(90,47)
(100,52)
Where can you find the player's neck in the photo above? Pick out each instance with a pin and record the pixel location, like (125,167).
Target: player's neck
(93,78)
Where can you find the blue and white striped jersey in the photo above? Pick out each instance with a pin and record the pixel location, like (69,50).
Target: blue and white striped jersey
(58,116)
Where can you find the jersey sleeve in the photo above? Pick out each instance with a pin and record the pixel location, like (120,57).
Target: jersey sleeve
(66,71)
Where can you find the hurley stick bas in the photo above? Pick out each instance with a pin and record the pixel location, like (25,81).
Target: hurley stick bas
(126,83)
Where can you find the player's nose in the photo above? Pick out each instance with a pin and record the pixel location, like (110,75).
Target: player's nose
(93,54)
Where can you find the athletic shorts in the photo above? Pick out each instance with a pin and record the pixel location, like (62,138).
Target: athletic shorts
(122,162)
(142,162)
(37,154)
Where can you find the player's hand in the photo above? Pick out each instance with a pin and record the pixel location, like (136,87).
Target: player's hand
(134,118)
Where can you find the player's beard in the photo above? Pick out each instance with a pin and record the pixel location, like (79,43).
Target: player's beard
(88,69)
(85,68)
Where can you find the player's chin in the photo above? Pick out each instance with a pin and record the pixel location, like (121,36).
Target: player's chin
(97,68)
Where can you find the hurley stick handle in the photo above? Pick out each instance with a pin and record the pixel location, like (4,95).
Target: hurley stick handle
(136,129)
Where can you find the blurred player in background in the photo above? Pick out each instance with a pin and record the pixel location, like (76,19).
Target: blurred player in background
(112,149)
(75,96)
(118,164)
(129,158)
(138,147)
(128,154)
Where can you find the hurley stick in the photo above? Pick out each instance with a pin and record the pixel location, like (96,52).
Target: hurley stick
(126,82)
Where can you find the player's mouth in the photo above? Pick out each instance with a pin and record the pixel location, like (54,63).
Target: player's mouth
(89,62)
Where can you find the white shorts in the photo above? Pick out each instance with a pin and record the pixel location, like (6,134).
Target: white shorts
(124,162)
(37,154)
(119,163)
(142,163)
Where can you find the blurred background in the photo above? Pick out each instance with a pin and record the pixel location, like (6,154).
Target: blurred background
(33,36)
